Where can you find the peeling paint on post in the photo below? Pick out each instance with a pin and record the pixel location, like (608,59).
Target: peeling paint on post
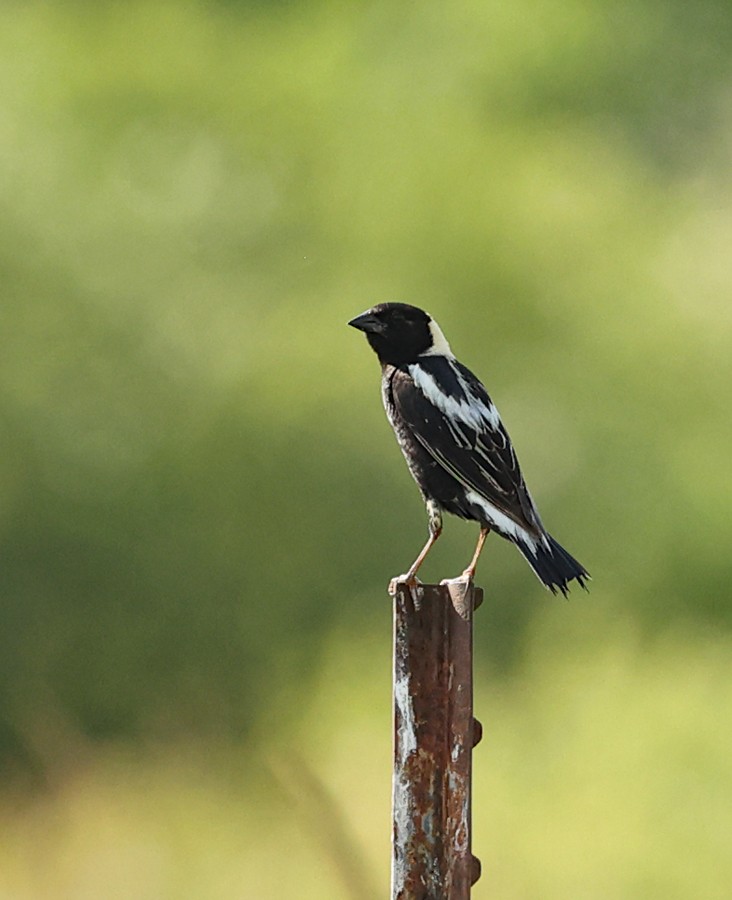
(434,734)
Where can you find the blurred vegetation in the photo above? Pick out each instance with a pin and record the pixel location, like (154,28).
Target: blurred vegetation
(200,499)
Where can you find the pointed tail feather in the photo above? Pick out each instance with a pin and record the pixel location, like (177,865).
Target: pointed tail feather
(553,565)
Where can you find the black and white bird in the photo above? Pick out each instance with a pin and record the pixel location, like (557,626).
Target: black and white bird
(455,444)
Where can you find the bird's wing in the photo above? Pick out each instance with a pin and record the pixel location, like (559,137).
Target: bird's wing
(451,415)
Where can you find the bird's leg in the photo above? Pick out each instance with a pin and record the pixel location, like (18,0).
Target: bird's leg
(469,573)
(435,525)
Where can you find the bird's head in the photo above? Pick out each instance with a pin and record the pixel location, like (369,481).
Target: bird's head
(399,334)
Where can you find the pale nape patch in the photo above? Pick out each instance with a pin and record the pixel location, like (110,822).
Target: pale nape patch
(439,347)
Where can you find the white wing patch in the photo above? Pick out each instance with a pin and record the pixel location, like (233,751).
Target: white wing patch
(471,410)
(502,522)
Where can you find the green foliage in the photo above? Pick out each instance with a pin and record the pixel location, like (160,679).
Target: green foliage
(594,779)
(198,483)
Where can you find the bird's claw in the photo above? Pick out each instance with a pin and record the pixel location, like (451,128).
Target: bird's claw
(465,578)
(410,581)
(459,590)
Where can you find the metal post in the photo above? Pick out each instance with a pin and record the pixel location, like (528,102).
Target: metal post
(434,734)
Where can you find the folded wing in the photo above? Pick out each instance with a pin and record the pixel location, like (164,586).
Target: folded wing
(451,415)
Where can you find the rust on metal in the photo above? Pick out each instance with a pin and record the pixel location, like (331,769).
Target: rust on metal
(434,734)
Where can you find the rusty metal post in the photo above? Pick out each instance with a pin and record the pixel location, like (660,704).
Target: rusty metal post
(434,735)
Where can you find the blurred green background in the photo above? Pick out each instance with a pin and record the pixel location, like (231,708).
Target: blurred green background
(201,502)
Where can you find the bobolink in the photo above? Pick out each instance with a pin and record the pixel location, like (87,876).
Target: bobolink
(455,444)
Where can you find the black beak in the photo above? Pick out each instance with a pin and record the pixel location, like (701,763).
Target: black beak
(367,322)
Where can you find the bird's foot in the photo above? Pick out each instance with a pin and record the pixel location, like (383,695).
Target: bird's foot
(459,590)
(466,578)
(410,581)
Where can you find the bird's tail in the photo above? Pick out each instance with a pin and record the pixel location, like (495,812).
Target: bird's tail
(553,565)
